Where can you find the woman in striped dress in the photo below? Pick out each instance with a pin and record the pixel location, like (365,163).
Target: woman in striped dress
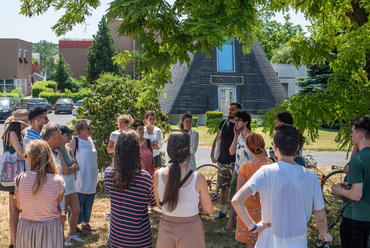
(130,189)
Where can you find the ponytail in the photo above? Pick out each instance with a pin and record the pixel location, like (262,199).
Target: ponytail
(171,194)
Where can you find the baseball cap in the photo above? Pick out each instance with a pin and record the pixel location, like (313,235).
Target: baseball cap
(65,129)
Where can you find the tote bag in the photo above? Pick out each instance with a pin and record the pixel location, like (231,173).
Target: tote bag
(217,151)
(11,165)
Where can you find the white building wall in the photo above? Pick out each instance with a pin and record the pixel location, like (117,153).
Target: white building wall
(287,74)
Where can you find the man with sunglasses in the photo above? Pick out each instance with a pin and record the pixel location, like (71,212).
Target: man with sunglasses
(225,161)
(38,118)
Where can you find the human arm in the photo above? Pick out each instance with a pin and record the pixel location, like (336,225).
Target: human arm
(62,216)
(65,169)
(241,181)
(72,145)
(156,195)
(232,149)
(158,142)
(75,165)
(205,201)
(13,141)
(111,147)
(320,217)
(238,203)
(355,193)
(16,198)
(214,145)
(354,151)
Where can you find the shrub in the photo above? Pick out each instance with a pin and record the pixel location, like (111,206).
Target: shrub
(195,122)
(53,97)
(38,88)
(213,120)
(16,94)
(111,96)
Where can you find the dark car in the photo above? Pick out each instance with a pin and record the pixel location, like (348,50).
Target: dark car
(39,102)
(63,105)
(7,107)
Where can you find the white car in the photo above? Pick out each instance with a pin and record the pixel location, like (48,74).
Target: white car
(75,107)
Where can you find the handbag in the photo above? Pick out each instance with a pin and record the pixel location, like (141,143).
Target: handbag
(11,165)
(217,151)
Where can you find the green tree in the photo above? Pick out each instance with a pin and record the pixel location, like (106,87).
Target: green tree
(113,95)
(62,73)
(46,50)
(101,52)
(273,35)
(283,55)
(318,77)
(188,26)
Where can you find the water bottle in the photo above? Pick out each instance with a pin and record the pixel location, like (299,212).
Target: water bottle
(271,152)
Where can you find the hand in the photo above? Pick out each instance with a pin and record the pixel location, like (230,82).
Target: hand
(261,226)
(62,217)
(200,207)
(337,189)
(328,238)
(236,131)
(343,185)
(213,159)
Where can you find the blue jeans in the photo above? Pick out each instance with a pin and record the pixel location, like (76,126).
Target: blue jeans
(354,234)
(86,204)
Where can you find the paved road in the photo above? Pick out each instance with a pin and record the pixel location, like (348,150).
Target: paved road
(323,158)
(57,119)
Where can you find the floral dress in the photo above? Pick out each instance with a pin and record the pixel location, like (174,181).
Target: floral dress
(252,204)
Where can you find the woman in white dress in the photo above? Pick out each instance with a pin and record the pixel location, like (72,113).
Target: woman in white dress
(87,177)
(185,124)
(123,122)
(156,137)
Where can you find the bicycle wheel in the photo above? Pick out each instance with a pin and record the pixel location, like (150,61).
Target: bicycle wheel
(209,171)
(329,180)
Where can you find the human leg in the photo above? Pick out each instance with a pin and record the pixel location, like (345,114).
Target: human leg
(353,233)
(74,207)
(13,219)
(85,213)
(223,181)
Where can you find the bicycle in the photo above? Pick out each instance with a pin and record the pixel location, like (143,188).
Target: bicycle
(327,180)
(209,171)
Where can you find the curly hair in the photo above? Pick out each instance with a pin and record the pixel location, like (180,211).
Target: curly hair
(178,147)
(127,160)
(42,162)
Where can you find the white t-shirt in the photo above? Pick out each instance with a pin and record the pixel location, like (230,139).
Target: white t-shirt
(242,154)
(114,136)
(288,194)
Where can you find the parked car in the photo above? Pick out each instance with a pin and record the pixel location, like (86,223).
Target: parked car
(75,107)
(39,102)
(7,107)
(63,105)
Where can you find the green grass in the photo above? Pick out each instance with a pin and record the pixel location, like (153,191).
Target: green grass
(326,141)
(102,207)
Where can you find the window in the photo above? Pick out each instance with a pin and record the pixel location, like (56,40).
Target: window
(225,57)
(25,54)
(20,53)
(226,95)
(6,85)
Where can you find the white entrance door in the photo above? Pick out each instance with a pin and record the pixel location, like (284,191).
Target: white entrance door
(226,95)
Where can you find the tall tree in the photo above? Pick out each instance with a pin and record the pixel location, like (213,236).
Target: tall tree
(317,80)
(189,26)
(282,55)
(46,50)
(101,53)
(62,73)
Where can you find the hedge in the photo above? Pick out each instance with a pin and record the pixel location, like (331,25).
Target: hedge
(38,88)
(195,122)
(53,97)
(213,120)
(16,94)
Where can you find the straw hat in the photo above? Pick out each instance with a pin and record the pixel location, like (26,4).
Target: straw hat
(21,116)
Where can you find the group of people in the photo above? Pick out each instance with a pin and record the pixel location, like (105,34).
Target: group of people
(272,197)
(60,175)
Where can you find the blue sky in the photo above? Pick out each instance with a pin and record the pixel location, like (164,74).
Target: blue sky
(14,25)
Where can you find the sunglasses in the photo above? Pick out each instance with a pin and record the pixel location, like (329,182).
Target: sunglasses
(122,122)
(89,127)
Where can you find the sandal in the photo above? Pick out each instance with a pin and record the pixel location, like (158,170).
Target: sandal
(88,228)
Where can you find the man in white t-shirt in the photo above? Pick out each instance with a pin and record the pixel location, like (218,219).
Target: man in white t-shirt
(288,194)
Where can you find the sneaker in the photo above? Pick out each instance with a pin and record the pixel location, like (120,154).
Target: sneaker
(223,230)
(108,217)
(150,208)
(88,228)
(76,239)
(68,243)
(78,230)
(220,215)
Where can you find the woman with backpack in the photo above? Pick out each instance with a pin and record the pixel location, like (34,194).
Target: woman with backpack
(13,143)
(182,194)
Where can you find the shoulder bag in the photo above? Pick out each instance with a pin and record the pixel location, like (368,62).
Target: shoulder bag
(217,151)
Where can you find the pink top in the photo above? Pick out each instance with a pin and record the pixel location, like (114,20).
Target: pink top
(147,160)
(43,205)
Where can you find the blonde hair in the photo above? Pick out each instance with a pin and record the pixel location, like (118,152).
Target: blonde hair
(127,118)
(81,125)
(42,162)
